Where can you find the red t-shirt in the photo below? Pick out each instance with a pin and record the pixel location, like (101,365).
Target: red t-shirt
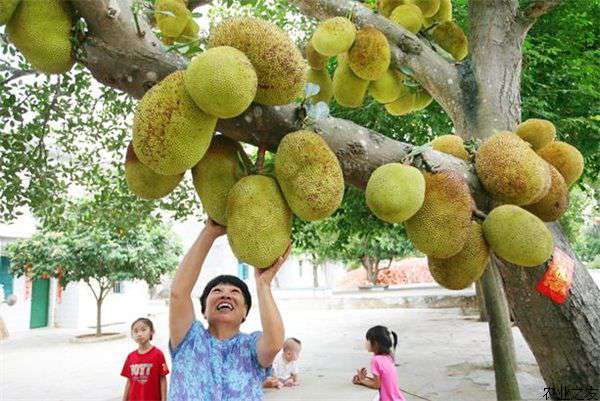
(144,372)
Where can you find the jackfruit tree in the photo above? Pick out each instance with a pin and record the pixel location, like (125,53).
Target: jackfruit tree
(474,76)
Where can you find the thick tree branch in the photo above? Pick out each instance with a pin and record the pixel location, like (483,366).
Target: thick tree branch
(529,16)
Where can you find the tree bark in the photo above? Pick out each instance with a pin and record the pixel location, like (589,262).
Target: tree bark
(99,317)
(315,276)
(483,316)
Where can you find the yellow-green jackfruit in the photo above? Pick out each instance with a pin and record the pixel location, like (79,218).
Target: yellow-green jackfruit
(452,145)
(565,158)
(386,7)
(222,81)
(441,227)
(278,63)
(316,60)
(387,88)
(395,192)
(215,174)
(555,203)
(408,16)
(41,30)
(309,174)
(464,268)
(144,182)
(369,57)
(7,8)
(538,133)
(428,7)
(321,78)
(518,236)
(259,222)
(170,133)
(333,36)
(444,13)
(172,17)
(422,99)
(404,104)
(451,38)
(348,89)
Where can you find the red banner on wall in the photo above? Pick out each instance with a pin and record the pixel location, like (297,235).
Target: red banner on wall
(558,279)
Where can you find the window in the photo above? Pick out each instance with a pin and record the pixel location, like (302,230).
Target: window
(6,278)
(243,270)
(119,287)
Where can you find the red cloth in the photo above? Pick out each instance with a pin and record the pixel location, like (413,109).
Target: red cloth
(144,372)
(558,279)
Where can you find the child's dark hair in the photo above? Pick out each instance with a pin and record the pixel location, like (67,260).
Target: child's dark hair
(382,339)
(147,322)
(226,279)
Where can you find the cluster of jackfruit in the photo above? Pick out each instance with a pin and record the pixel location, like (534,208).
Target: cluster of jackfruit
(175,21)
(41,30)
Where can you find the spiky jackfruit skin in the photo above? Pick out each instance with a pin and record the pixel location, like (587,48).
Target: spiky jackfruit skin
(316,60)
(333,36)
(395,192)
(321,78)
(408,16)
(517,236)
(222,81)
(555,203)
(309,174)
(170,133)
(538,133)
(41,30)
(511,171)
(565,158)
(215,174)
(348,89)
(172,17)
(278,63)
(463,269)
(387,88)
(144,182)
(259,221)
(428,7)
(422,99)
(405,103)
(441,227)
(451,38)
(386,7)
(7,8)
(452,145)
(369,57)
(444,14)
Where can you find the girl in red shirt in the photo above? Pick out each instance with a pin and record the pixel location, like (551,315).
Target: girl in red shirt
(145,368)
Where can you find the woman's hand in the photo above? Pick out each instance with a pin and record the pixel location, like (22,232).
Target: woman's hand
(265,276)
(213,230)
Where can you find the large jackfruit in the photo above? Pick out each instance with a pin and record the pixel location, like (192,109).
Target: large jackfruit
(348,89)
(216,173)
(451,38)
(464,268)
(422,99)
(333,36)
(408,16)
(7,8)
(510,171)
(316,60)
(369,57)
(404,104)
(443,14)
(452,145)
(555,203)
(538,133)
(41,30)
(170,133)
(386,7)
(222,81)
(172,17)
(279,65)
(321,78)
(565,158)
(441,227)
(144,182)
(395,192)
(387,88)
(309,174)
(518,236)
(259,221)
(428,7)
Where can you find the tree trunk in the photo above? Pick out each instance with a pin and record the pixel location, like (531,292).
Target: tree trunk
(370,266)
(315,276)
(99,317)
(483,316)
(3,330)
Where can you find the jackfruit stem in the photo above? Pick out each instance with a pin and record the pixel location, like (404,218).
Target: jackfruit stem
(260,159)
(479,214)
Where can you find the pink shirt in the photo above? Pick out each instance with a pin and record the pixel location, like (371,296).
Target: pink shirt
(383,366)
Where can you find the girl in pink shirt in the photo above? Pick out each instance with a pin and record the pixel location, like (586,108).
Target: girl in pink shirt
(382,343)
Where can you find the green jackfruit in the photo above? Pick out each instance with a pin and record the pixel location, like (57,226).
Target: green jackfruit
(259,221)
(441,227)
(405,103)
(428,7)
(510,171)
(444,13)
(333,36)
(408,16)
(348,89)
(321,78)
(221,81)
(7,8)
(555,203)
(172,17)
(170,133)
(144,182)
(565,158)
(395,192)
(517,236)
(386,7)
(278,63)
(422,99)
(538,133)
(369,57)
(215,174)
(309,174)
(387,88)
(41,30)
(316,60)
(463,269)
(451,38)
(452,145)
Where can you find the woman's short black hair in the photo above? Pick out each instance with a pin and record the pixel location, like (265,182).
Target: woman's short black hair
(226,279)
(147,322)
(382,339)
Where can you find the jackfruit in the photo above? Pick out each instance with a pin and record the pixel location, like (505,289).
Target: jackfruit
(321,78)
(170,133)
(395,192)
(316,60)
(369,57)
(444,14)
(538,133)
(565,158)
(517,236)
(144,182)
(278,63)
(190,32)
(428,7)
(348,89)
(408,16)
(309,174)
(510,171)
(452,145)
(7,8)
(172,17)
(386,7)
(41,30)
(259,222)
(463,269)
(333,36)
(387,88)
(422,99)
(441,227)
(221,81)
(215,174)
(405,103)
(451,38)
(555,203)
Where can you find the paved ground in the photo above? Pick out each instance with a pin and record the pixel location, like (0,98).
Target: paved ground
(442,355)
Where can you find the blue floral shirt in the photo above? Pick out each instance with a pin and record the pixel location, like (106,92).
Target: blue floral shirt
(207,369)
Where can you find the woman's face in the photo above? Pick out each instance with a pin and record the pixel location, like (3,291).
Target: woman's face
(225,304)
